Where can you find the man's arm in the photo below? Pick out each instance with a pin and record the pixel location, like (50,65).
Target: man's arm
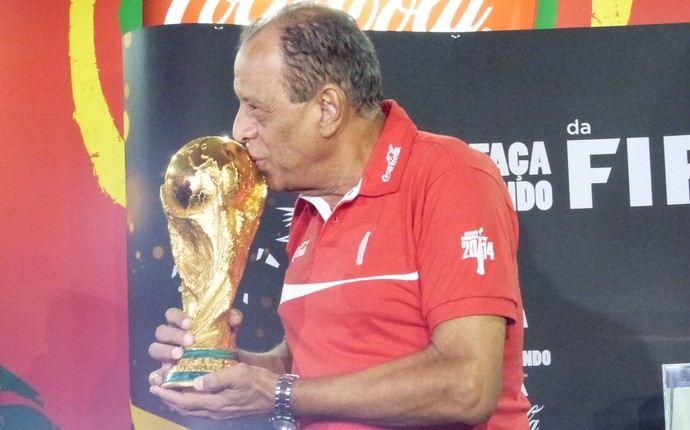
(457,378)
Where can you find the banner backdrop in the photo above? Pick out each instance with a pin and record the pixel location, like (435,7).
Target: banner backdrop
(63,289)
(590,130)
(63,312)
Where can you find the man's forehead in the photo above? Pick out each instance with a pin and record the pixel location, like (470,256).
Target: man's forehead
(258,66)
(257,76)
(265,38)
(259,51)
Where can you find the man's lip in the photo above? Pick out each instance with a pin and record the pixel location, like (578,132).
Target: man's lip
(254,158)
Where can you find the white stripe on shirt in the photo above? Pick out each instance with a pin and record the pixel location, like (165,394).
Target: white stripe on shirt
(293,291)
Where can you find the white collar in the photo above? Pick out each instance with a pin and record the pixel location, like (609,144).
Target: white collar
(324,208)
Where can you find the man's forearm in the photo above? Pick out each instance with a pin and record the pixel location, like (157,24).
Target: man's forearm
(278,360)
(436,385)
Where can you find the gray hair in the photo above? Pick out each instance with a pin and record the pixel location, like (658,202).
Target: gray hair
(322,45)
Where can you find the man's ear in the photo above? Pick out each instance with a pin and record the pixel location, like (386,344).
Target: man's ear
(332,103)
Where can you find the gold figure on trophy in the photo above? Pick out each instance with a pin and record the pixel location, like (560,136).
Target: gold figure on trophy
(213,196)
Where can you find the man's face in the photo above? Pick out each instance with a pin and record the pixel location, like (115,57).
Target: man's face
(283,137)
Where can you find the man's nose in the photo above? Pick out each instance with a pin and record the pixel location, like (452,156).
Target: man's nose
(244,128)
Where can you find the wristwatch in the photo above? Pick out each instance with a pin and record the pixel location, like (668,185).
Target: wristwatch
(282,418)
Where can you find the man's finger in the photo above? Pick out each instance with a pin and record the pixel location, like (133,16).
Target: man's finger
(213,382)
(164,353)
(176,317)
(156,377)
(182,400)
(174,335)
(235,318)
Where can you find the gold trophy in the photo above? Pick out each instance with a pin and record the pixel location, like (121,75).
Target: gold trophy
(213,196)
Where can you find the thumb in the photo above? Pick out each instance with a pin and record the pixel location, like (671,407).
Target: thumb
(215,381)
(203,383)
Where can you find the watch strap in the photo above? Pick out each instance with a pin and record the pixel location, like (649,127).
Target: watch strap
(282,413)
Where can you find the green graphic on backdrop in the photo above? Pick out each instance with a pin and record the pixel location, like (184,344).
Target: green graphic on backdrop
(17,416)
(547,10)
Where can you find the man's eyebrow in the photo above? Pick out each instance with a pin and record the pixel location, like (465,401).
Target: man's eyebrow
(249,100)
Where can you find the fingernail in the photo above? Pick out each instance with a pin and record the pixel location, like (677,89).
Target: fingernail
(177,353)
(199,383)
(186,323)
(188,339)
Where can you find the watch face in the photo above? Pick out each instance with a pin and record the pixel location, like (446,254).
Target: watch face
(281,424)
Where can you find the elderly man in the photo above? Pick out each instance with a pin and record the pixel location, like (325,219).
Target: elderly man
(401,304)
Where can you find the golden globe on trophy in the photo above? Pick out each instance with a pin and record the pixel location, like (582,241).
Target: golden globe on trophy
(213,196)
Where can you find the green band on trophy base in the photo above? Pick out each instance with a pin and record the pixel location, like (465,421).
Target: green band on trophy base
(218,354)
(195,363)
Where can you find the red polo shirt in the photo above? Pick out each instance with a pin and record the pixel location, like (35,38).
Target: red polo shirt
(429,235)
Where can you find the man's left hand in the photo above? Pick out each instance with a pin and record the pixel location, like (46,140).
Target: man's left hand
(238,391)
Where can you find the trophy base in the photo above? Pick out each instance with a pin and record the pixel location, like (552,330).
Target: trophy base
(195,363)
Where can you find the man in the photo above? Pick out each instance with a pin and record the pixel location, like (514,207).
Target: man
(401,304)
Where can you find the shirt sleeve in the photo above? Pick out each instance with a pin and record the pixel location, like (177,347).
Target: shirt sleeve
(467,249)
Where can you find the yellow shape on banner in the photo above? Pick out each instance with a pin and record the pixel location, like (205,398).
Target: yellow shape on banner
(611,12)
(143,420)
(101,137)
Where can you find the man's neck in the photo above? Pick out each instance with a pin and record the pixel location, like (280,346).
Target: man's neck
(356,147)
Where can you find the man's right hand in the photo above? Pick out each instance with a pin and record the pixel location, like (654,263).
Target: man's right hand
(173,337)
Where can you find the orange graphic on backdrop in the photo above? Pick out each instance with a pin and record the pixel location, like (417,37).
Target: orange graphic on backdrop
(390,15)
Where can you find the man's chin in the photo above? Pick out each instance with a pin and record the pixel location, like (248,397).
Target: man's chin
(277,185)
(274,185)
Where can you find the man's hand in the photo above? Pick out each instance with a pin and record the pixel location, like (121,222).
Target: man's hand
(234,392)
(238,391)
(173,337)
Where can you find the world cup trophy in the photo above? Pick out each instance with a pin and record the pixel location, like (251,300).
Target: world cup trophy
(213,196)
